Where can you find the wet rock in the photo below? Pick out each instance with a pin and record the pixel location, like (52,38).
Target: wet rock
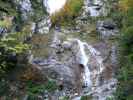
(67,45)
(109,24)
(59,71)
(107,29)
(3,31)
(102,92)
(25,8)
(44,25)
(94,8)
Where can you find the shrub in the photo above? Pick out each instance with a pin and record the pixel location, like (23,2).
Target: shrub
(87,97)
(10,47)
(125,90)
(6,23)
(35,89)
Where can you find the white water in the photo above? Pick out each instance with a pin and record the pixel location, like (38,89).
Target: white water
(54,5)
(84,61)
(93,11)
(94,7)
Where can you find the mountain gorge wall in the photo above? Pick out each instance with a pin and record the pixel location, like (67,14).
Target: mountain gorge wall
(81,58)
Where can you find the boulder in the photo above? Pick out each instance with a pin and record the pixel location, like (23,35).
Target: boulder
(107,29)
(3,31)
(94,8)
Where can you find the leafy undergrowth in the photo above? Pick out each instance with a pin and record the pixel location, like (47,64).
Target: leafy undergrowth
(125,74)
(34,90)
(87,97)
(70,10)
(10,48)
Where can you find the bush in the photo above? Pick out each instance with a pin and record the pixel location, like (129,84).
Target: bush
(35,89)
(125,76)
(87,97)
(6,23)
(11,46)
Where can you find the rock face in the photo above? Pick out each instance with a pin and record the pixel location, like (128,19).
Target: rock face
(79,62)
(81,67)
(44,25)
(25,8)
(94,8)
(107,29)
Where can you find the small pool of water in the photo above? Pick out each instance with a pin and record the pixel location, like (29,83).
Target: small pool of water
(54,5)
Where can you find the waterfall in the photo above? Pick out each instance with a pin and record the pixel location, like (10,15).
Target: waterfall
(94,7)
(84,61)
(53,5)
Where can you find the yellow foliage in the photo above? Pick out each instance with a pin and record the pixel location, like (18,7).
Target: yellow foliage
(6,22)
(125,4)
(71,9)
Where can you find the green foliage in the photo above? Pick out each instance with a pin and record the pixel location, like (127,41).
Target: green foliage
(4,88)
(67,14)
(5,23)
(35,89)
(11,46)
(110,98)
(87,97)
(7,7)
(51,86)
(125,76)
(39,9)
(64,98)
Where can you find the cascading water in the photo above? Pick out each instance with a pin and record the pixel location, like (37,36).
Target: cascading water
(84,61)
(94,7)
(53,5)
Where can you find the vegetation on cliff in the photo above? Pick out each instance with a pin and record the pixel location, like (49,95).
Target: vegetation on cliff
(13,44)
(68,12)
(125,74)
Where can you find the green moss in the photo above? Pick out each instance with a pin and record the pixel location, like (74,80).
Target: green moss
(64,98)
(86,97)
(7,7)
(11,46)
(4,23)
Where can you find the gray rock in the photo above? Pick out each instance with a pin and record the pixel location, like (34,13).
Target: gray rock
(3,31)
(107,29)
(94,8)
(44,25)
(25,8)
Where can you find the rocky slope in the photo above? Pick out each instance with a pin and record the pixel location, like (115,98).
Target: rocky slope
(82,58)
